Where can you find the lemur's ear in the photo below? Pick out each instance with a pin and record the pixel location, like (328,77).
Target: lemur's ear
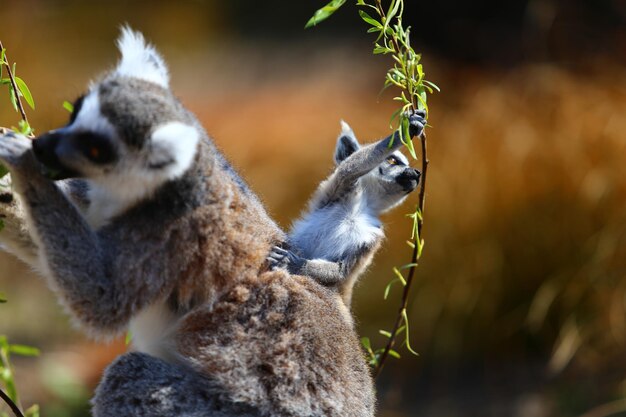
(347,143)
(140,59)
(173,147)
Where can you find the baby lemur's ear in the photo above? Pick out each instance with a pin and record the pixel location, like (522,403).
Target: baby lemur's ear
(140,59)
(347,143)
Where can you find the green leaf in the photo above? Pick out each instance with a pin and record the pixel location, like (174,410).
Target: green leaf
(385,333)
(399,275)
(3,171)
(365,342)
(406,333)
(68,106)
(12,97)
(394,354)
(393,9)
(129,338)
(24,128)
(24,350)
(3,298)
(369,19)
(324,13)
(21,85)
(388,288)
(33,411)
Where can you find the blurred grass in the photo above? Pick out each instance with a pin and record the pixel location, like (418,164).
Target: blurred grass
(519,307)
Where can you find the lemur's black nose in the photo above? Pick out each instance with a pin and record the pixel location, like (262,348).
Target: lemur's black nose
(44,148)
(409,179)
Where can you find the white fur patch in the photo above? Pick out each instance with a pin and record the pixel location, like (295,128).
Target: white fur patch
(346,129)
(335,230)
(153,332)
(90,118)
(140,59)
(401,157)
(176,141)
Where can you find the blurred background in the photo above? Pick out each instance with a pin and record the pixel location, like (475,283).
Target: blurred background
(519,307)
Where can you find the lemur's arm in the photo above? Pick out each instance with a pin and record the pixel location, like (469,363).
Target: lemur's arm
(15,237)
(101,286)
(369,157)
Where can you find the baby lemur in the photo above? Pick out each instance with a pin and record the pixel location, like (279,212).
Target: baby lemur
(148,226)
(336,239)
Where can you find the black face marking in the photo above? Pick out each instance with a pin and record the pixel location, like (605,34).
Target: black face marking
(95,147)
(45,150)
(78,104)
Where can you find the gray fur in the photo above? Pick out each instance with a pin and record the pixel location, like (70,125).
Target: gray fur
(336,238)
(178,250)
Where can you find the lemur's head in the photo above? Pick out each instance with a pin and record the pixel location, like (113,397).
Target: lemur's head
(389,183)
(127,128)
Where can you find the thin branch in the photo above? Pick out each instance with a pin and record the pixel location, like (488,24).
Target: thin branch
(414,259)
(16,410)
(14,85)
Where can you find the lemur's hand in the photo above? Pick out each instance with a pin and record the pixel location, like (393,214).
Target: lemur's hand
(15,152)
(417,121)
(6,193)
(280,258)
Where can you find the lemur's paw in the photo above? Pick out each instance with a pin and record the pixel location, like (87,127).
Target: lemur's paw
(6,193)
(417,121)
(15,151)
(278,258)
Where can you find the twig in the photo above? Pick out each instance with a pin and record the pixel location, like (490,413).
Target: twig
(14,85)
(414,258)
(16,410)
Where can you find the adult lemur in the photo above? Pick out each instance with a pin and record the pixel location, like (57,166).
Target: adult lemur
(336,239)
(155,230)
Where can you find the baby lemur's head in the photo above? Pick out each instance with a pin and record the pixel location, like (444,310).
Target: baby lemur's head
(127,128)
(389,183)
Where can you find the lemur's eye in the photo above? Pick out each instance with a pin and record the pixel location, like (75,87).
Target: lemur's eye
(392,160)
(98,148)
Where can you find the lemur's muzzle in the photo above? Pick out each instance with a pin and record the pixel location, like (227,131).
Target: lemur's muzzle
(45,150)
(409,179)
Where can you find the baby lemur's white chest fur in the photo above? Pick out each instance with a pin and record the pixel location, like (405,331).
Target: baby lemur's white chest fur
(332,231)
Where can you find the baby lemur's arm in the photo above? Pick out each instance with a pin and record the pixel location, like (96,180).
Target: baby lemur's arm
(366,158)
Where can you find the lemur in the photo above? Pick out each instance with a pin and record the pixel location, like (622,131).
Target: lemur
(136,220)
(337,237)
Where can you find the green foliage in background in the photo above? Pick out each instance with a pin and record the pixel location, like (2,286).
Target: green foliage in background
(407,75)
